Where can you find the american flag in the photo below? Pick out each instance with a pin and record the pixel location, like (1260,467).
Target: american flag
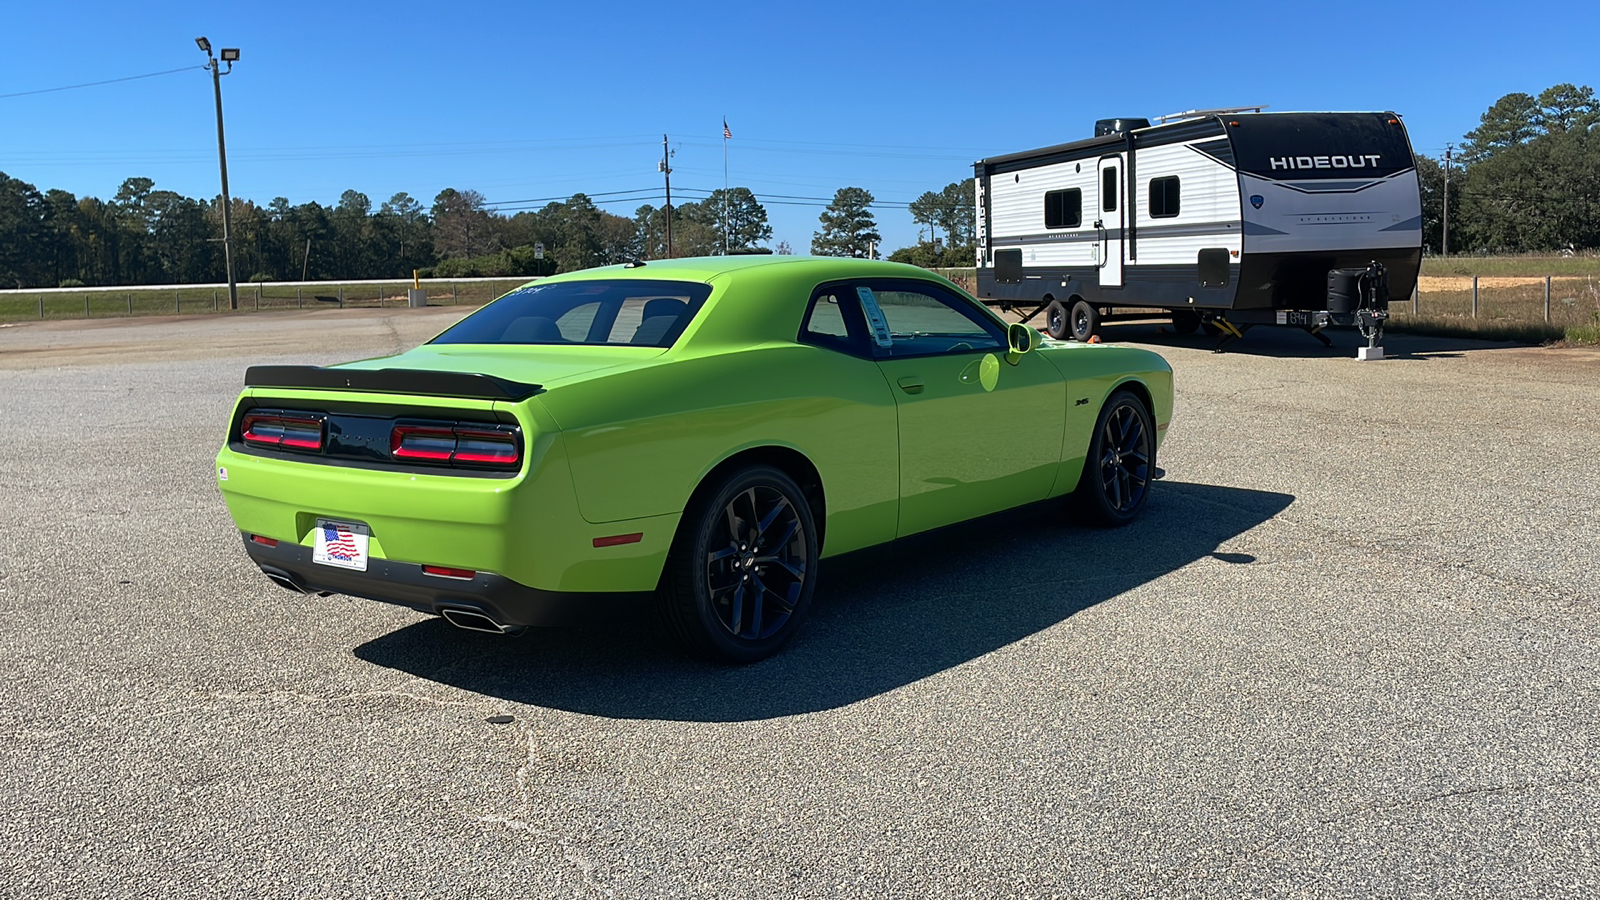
(726,134)
(339,543)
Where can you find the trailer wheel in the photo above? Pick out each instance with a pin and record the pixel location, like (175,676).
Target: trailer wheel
(1055,320)
(1185,321)
(1084,321)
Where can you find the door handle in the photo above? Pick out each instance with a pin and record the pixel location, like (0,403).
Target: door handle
(911,384)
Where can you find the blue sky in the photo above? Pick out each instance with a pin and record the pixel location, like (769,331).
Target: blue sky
(532,101)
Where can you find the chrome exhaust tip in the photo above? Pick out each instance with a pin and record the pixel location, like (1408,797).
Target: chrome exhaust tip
(283,579)
(472,620)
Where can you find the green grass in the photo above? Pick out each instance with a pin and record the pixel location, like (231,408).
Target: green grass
(147,301)
(1523,266)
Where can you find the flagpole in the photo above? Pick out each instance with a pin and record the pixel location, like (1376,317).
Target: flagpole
(724,185)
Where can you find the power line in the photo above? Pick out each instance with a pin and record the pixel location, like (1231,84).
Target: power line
(73,87)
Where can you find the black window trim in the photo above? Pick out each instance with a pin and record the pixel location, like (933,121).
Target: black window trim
(1065,223)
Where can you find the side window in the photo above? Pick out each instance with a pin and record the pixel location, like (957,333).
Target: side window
(1108,190)
(911,320)
(1063,209)
(1164,197)
(827,323)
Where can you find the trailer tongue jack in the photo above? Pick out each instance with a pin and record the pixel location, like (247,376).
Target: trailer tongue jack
(1356,297)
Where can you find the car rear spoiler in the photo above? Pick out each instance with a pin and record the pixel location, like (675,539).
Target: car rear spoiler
(391,381)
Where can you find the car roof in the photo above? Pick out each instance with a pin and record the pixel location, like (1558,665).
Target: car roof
(706,268)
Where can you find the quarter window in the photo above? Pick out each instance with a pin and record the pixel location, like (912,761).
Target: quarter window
(828,322)
(1164,197)
(1063,209)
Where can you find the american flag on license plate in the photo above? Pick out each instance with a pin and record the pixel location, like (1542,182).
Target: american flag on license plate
(339,543)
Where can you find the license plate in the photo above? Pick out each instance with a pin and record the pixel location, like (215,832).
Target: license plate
(342,544)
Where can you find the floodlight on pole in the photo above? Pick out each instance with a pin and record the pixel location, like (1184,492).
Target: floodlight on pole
(229,55)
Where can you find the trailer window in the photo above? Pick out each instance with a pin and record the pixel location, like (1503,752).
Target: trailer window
(1063,209)
(1108,190)
(1164,197)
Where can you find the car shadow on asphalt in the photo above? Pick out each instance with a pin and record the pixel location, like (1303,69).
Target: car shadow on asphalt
(882,618)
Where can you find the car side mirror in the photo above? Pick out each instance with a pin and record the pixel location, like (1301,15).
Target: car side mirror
(1019,338)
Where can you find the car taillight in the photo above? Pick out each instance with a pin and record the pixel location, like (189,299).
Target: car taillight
(455,444)
(495,448)
(291,431)
(421,442)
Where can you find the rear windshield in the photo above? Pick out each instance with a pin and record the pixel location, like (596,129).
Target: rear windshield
(625,311)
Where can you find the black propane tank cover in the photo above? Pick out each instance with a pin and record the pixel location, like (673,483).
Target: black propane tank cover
(1344,290)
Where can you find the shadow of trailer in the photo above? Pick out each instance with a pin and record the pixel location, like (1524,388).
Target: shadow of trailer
(1222,219)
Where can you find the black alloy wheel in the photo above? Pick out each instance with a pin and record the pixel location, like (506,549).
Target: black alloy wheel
(1055,320)
(1084,322)
(743,568)
(1121,462)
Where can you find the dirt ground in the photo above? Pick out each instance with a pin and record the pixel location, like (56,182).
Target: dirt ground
(1439,283)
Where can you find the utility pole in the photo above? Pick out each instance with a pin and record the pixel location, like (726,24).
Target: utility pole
(229,55)
(1444,249)
(666,170)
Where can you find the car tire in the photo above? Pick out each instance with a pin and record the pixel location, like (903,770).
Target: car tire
(1185,321)
(1055,320)
(1083,322)
(727,597)
(1121,462)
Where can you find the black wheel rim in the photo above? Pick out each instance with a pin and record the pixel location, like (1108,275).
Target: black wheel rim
(758,563)
(1124,459)
(1056,321)
(1080,322)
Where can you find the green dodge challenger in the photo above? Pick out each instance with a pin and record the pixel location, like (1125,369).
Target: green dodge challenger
(702,431)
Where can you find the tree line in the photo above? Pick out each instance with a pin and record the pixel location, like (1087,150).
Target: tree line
(144,235)
(1527,178)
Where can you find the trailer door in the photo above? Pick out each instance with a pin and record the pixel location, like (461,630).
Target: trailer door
(1109,226)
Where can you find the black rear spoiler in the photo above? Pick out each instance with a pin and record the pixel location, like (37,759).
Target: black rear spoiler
(391,381)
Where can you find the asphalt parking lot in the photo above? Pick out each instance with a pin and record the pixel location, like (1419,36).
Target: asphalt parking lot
(1350,650)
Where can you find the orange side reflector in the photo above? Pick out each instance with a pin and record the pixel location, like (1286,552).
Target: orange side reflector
(617,539)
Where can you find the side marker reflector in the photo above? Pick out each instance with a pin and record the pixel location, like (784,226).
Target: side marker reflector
(264,541)
(617,539)
(447,572)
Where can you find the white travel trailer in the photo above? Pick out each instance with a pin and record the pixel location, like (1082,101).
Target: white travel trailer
(1224,218)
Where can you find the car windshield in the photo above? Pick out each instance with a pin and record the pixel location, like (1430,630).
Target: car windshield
(624,311)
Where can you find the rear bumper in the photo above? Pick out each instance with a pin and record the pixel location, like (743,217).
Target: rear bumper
(505,601)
